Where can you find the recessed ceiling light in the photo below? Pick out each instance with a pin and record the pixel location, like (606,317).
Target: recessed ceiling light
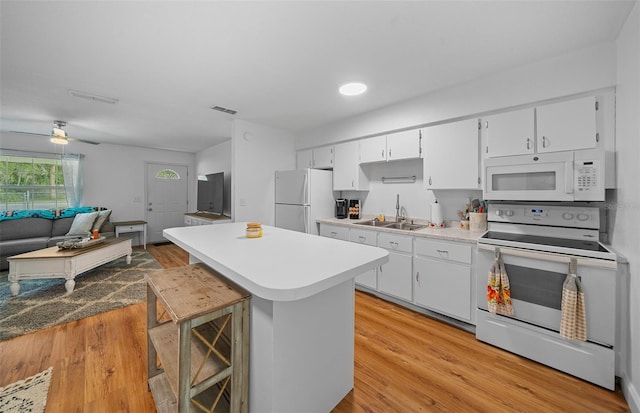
(353,89)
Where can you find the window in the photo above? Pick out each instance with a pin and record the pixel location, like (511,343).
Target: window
(31,182)
(167,174)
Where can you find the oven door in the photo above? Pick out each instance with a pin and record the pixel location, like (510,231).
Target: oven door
(536,280)
(543,177)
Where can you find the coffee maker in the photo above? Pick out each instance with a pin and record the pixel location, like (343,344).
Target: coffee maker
(342,208)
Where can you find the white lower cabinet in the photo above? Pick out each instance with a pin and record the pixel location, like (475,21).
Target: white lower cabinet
(443,278)
(394,277)
(369,278)
(430,273)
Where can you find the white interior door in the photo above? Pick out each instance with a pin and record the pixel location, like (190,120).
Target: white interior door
(166,198)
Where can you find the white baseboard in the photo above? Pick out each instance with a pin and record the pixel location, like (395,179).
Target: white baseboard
(631,394)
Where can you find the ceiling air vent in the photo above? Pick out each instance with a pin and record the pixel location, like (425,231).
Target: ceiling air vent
(225,110)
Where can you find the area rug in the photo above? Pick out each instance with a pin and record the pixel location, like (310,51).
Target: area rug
(26,396)
(44,303)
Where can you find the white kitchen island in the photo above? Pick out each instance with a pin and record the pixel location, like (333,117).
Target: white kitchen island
(302,309)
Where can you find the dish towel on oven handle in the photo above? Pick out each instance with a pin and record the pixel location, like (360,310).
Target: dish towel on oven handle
(573,322)
(498,290)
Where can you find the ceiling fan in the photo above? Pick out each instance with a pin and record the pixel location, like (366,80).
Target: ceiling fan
(59,135)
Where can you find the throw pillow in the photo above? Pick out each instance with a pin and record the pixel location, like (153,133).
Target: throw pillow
(82,224)
(102,218)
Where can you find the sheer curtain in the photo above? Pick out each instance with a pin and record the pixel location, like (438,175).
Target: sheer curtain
(72,165)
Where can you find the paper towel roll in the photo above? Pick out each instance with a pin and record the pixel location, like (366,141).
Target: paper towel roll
(436,213)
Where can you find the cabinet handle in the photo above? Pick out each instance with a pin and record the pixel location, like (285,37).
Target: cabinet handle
(333,234)
(418,277)
(544,142)
(382,154)
(393,244)
(352,183)
(443,252)
(528,142)
(389,153)
(429,180)
(361,238)
(380,268)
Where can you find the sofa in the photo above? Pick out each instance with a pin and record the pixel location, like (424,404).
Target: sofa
(37,231)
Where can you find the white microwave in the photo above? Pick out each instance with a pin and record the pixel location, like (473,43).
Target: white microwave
(559,176)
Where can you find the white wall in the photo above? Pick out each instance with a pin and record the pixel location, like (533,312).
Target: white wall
(114,175)
(415,200)
(626,209)
(217,159)
(257,152)
(572,73)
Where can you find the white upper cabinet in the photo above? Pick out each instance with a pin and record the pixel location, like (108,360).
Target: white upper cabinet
(404,145)
(562,126)
(451,155)
(323,157)
(347,173)
(318,158)
(392,147)
(510,133)
(304,159)
(373,149)
(567,125)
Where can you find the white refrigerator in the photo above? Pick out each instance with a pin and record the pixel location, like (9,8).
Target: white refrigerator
(302,196)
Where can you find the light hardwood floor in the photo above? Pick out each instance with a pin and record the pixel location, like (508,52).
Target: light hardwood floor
(404,362)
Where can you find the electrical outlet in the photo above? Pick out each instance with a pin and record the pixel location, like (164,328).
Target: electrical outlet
(137,199)
(243,202)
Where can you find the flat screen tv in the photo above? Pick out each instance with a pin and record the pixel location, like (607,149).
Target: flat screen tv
(210,194)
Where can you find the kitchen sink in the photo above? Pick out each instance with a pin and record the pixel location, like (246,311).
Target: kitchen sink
(393,225)
(405,226)
(373,223)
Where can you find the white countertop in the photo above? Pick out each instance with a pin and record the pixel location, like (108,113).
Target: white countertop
(452,233)
(283,265)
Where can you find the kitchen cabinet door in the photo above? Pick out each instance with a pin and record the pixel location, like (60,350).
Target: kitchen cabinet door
(442,286)
(369,278)
(373,149)
(404,145)
(565,126)
(347,173)
(394,277)
(451,155)
(323,157)
(510,133)
(304,159)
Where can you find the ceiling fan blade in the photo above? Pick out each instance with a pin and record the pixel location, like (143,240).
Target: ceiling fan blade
(30,133)
(83,141)
(49,135)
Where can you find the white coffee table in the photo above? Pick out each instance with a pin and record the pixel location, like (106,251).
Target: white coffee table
(56,263)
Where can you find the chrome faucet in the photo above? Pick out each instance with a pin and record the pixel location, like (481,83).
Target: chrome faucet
(399,217)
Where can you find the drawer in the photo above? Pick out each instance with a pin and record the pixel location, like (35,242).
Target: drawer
(130,228)
(363,236)
(395,242)
(444,250)
(334,231)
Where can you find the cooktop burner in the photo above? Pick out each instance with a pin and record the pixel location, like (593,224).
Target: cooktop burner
(546,241)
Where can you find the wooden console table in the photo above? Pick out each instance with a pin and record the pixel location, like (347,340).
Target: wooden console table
(204,348)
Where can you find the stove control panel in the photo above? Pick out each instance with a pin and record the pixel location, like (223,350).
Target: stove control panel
(551,215)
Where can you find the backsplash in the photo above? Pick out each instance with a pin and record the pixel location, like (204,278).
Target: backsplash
(415,199)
